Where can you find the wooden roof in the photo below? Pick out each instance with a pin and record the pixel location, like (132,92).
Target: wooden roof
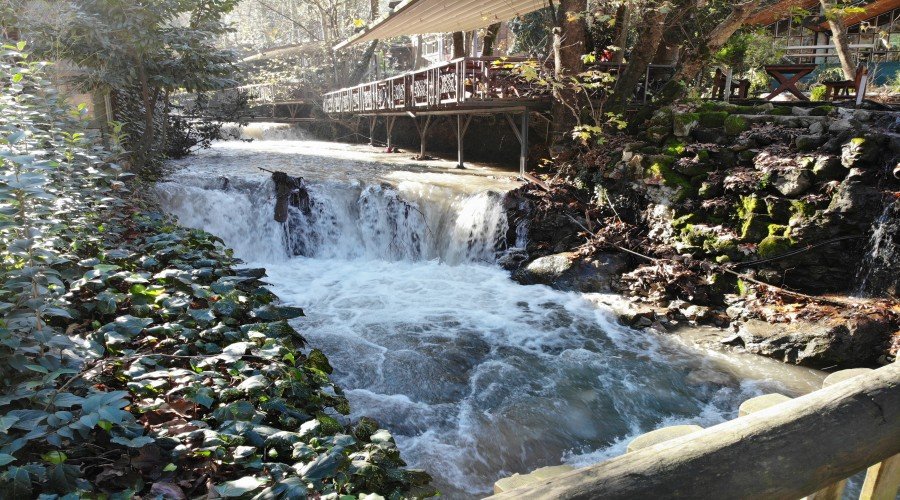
(413,17)
(781,9)
(768,14)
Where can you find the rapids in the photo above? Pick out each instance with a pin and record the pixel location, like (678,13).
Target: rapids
(477,377)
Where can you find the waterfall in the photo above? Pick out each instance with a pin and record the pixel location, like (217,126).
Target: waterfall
(345,221)
(878,274)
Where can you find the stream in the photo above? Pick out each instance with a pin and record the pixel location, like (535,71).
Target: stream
(476,376)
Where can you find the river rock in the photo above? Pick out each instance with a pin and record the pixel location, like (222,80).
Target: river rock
(828,168)
(793,182)
(833,342)
(809,142)
(565,271)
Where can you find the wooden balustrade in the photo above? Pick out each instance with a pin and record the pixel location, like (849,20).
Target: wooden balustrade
(779,448)
(469,80)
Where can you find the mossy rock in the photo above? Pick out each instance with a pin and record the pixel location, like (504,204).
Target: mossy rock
(779,230)
(685,220)
(771,246)
(683,123)
(658,133)
(722,246)
(672,179)
(821,111)
(755,227)
(780,111)
(709,190)
(735,125)
(779,209)
(749,205)
(748,155)
(713,119)
(860,152)
(828,168)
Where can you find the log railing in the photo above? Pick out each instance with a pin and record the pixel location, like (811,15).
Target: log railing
(460,81)
(780,448)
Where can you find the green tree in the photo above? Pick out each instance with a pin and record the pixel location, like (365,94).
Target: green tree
(143,51)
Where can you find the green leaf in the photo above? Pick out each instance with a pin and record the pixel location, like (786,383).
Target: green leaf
(54,457)
(138,442)
(170,468)
(238,487)
(6,459)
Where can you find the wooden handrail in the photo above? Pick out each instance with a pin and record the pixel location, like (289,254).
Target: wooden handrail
(784,452)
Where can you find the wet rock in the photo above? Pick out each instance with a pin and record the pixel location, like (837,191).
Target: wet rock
(856,195)
(565,271)
(833,342)
(793,182)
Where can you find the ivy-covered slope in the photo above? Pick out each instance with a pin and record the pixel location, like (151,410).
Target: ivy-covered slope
(134,358)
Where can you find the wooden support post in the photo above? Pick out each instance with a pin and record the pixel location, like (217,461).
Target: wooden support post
(523,154)
(729,75)
(522,136)
(423,131)
(390,133)
(461,127)
(372,122)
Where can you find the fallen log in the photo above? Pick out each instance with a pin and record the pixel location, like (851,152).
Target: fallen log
(784,452)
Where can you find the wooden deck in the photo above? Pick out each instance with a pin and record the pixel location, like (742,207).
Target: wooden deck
(466,85)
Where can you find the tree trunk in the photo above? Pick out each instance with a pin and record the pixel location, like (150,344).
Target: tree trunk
(490,37)
(650,33)
(459,44)
(569,39)
(621,40)
(149,108)
(373,9)
(695,60)
(839,37)
(360,70)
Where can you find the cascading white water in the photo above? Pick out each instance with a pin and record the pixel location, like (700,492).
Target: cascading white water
(878,273)
(476,376)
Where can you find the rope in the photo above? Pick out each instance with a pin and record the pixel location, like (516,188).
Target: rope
(799,251)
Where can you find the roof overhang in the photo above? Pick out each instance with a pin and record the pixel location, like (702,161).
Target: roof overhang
(414,17)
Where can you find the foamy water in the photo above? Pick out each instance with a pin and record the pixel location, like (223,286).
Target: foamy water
(476,376)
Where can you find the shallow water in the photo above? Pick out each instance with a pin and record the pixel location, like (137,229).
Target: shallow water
(476,376)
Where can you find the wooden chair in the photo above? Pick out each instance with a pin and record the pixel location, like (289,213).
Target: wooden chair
(740,89)
(835,89)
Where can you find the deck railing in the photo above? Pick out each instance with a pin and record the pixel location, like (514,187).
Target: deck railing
(468,80)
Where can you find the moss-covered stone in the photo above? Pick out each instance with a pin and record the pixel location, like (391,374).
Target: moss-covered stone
(749,205)
(663,172)
(755,227)
(685,220)
(860,152)
(735,125)
(709,190)
(658,133)
(828,168)
(779,230)
(780,111)
(771,246)
(778,209)
(821,111)
(683,123)
(713,119)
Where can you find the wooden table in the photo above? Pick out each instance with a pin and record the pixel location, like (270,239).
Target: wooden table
(780,72)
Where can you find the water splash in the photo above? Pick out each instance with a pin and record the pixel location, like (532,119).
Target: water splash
(476,376)
(878,273)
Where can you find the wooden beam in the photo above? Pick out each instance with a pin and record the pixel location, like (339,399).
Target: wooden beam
(784,452)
